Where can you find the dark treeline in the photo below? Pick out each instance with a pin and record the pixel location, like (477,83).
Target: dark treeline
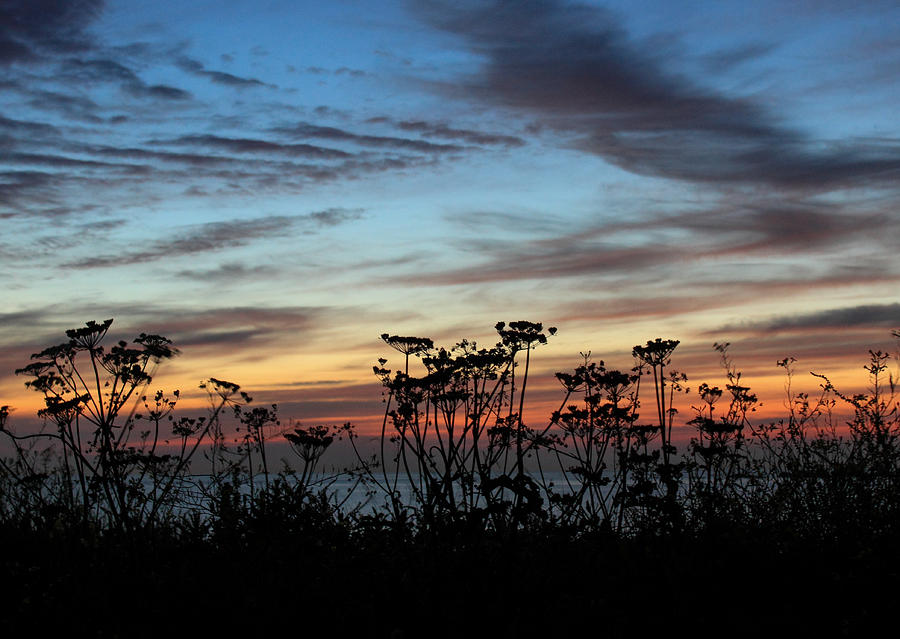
(473,520)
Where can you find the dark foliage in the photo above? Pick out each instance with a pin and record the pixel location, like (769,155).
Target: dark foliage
(471,520)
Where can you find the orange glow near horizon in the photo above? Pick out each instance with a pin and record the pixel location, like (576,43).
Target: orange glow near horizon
(321,388)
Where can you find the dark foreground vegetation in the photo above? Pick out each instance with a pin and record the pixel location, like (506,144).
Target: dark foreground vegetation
(475,523)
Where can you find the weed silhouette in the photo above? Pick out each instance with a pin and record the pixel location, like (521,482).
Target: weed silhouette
(462,497)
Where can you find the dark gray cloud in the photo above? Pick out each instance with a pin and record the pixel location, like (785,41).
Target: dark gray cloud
(15,320)
(229,272)
(732,231)
(885,316)
(325,111)
(238,326)
(217,236)
(9,125)
(725,60)
(635,298)
(499,222)
(249,145)
(334,216)
(549,259)
(157,91)
(347,71)
(54,167)
(768,227)
(97,70)
(355,73)
(30,29)
(443,131)
(17,187)
(306,130)
(58,161)
(78,167)
(104,70)
(73,107)
(579,72)
(147,155)
(631,308)
(219,77)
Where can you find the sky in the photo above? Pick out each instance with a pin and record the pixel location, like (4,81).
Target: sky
(274,184)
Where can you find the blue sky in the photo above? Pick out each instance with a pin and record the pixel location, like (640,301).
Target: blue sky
(274,184)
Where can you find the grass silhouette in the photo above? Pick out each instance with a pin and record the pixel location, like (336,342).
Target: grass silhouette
(614,530)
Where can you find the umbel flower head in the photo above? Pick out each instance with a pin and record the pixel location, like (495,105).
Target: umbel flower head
(90,335)
(656,352)
(408,345)
(523,334)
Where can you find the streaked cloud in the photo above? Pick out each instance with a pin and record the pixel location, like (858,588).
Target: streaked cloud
(250,145)
(442,131)
(629,246)
(101,70)
(228,272)
(865,316)
(306,130)
(216,236)
(220,77)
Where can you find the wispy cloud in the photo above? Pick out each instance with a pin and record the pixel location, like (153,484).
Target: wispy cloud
(220,77)
(237,326)
(862,316)
(228,272)
(443,131)
(216,236)
(101,70)
(347,71)
(727,231)
(75,107)
(250,145)
(93,119)
(30,128)
(307,130)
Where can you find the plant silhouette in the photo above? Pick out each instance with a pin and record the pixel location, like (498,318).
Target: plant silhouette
(465,480)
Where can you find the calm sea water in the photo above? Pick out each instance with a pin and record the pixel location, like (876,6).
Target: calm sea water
(350,494)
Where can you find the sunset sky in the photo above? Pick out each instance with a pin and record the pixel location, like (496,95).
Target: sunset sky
(273,184)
